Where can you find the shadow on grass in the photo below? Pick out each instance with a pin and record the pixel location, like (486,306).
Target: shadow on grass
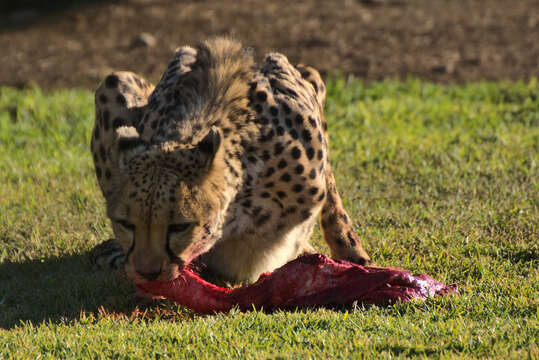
(58,290)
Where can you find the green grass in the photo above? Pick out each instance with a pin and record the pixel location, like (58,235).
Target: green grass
(438,179)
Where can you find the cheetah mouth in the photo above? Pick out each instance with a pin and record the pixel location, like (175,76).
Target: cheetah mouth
(179,266)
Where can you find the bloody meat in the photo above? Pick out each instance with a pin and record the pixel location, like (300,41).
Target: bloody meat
(309,281)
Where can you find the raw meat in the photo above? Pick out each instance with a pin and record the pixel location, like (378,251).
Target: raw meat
(309,281)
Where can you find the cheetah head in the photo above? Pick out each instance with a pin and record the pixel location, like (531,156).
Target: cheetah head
(167,202)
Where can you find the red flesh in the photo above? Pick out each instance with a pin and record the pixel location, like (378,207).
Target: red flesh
(310,280)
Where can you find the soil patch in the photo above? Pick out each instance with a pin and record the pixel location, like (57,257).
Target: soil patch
(77,43)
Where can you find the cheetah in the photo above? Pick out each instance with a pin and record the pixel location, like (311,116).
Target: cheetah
(224,161)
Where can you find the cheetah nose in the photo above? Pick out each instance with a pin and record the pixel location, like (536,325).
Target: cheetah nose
(149,274)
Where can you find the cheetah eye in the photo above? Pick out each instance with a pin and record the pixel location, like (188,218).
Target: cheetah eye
(181,227)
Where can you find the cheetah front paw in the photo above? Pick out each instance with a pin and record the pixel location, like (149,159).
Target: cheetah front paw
(107,255)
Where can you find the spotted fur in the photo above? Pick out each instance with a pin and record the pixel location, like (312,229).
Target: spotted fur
(223,160)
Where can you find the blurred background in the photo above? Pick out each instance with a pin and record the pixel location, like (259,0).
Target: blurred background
(75,43)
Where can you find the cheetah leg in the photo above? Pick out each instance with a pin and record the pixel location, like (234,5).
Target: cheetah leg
(119,101)
(338,229)
(336,225)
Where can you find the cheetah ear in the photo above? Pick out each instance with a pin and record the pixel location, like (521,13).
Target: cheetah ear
(129,144)
(207,148)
